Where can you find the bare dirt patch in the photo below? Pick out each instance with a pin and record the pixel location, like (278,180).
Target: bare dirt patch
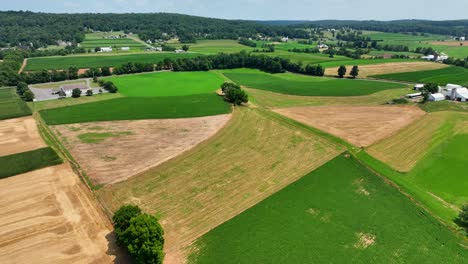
(19,135)
(126,148)
(365,240)
(450,43)
(359,184)
(391,67)
(359,125)
(49,216)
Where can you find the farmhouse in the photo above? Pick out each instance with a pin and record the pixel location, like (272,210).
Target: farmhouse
(106,49)
(125,48)
(284,39)
(436,97)
(68,88)
(179,51)
(322,46)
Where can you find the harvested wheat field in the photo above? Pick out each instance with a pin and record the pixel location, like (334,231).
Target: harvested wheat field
(359,125)
(450,43)
(255,155)
(48,216)
(19,135)
(110,152)
(391,67)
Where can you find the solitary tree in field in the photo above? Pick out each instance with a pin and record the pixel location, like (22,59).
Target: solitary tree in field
(89,92)
(122,219)
(354,71)
(76,93)
(28,95)
(431,87)
(463,217)
(342,71)
(185,47)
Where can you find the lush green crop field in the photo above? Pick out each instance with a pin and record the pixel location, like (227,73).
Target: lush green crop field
(11,105)
(444,106)
(167,83)
(294,84)
(101,60)
(341,212)
(27,161)
(131,108)
(456,75)
(401,37)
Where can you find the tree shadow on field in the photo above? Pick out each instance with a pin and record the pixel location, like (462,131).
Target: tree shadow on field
(121,255)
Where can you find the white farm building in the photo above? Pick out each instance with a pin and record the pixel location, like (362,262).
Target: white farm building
(106,49)
(436,97)
(454,92)
(125,48)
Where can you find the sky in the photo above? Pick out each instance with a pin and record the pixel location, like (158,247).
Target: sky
(260,9)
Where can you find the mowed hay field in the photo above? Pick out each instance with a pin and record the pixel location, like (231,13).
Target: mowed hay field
(101,60)
(19,135)
(255,155)
(11,105)
(137,108)
(276,100)
(359,125)
(167,83)
(433,156)
(339,213)
(105,150)
(456,75)
(218,46)
(391,67)
(49,216)
(294,84)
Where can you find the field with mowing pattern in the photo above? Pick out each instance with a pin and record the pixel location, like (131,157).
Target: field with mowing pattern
(167,83)
(218,46)
(387,68)
(134,108)
(294,84)
(341,212)
(223,176)
(101,60)
(456,75)
(11,105)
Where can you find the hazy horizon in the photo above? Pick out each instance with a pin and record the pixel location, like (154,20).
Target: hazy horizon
(261,9)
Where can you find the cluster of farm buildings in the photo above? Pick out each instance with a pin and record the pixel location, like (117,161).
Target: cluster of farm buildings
(452,92)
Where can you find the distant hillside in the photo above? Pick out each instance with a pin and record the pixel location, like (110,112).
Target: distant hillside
(46,28)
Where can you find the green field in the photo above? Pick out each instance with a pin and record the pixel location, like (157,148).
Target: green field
(11,105)
(455,75)
(294,84)
(340,212)
(218,46)
(93,40)
(132,108)
(101,60)
(444,106)
(435,144)
(27,161)
(384,36)
(167,83)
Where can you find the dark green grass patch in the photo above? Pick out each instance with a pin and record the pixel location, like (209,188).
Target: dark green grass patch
(11,105)
(340,213)
(306,85)
(28,161)
(92,138)
(88,61)
(167,83)
(456,75)
(133,108)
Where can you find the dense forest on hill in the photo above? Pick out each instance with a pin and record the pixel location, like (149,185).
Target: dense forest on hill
(46,28)
(453,27)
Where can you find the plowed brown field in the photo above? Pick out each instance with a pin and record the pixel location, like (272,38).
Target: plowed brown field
(19,135)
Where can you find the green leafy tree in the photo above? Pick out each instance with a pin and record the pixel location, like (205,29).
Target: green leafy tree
(144,239)
(425,95)
(185,47)
(76,93)
(236,96)
(463,217)
(21,88)
(228,85)
(431,87)
(122,219)
(28,95)
(354,71)
(89,92)
(342,71)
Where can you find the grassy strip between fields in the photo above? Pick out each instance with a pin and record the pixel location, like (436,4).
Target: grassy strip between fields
(133,108)
(11,105)
(340,211)
(28,161)
(294,84)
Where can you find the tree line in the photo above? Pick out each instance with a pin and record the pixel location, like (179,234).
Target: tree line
(19,28)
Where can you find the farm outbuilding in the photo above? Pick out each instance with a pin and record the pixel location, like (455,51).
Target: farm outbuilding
(413,95)
(106,49)
(418,87)
(125,48)
(436,97)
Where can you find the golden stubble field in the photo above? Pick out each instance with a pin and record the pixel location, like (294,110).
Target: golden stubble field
(131,147)
(360,125)
(255,155)
(19,135)
(391,67)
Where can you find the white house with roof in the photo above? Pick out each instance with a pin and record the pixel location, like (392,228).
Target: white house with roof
(125,48)
(436,97)
(454,92)
(418,86)
(106,49)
